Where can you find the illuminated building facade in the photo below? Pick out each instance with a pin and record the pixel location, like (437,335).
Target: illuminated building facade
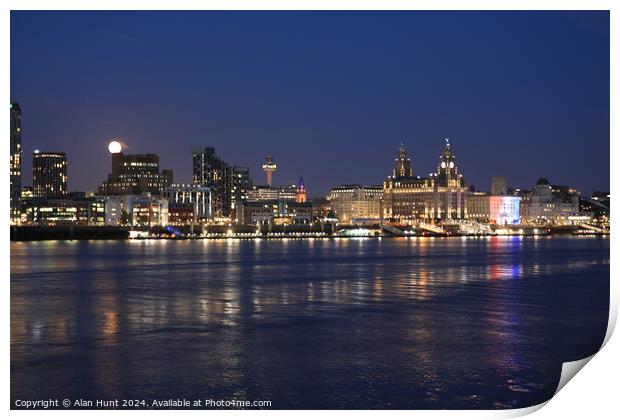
(195,196)
(115,214)
(181,215)
(505,209)
(16,162)
(267,193)
(548,203)
(494,209)
(278,212)
(241,184)
(49,174)
(302,194)
(145,211)
(136,174)
(353,203)
(478,207)
(440,196)
(228,184)
(59,211)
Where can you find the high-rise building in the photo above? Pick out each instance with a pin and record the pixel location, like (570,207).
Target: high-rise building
(409,198)
(135,174)
(499,185)
(16,161)
(228,184)
(49,174)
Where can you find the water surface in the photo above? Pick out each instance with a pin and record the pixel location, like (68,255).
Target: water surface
(347,323)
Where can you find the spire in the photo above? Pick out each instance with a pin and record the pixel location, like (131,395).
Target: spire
(447,165)
(302,194)
(402,164)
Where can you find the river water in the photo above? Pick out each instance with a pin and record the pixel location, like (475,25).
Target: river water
(343,323)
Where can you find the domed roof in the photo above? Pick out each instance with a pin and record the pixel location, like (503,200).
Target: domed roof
(542,181)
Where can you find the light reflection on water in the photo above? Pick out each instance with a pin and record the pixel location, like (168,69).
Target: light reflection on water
(348,323)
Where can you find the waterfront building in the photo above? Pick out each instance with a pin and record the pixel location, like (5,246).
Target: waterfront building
(16,162)
(355,203)
(548,203)
(228,184)
(115,214)
(278,212)
(478,206)
(494,209)
(135,210)
(146,211)
(26,196)
(49,174)
(135,174)
(440,196)
(65,211)
(181,214)
(195,196)
(321,208)
(242,183)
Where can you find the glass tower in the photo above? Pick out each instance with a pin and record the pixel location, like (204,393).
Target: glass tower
(16,161)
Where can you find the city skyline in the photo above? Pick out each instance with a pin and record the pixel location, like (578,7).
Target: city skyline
(325,112)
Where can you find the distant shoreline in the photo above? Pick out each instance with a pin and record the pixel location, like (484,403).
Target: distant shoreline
(78,233)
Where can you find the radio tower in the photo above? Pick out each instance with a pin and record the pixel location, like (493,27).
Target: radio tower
(269,168)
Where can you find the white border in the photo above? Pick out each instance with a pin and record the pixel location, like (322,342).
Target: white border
(592,395)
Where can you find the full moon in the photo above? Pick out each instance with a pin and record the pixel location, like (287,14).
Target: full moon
(115,147)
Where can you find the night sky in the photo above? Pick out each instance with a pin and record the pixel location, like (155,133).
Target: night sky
(329,94)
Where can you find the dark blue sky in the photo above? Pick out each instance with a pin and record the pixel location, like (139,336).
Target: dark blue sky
(329,94)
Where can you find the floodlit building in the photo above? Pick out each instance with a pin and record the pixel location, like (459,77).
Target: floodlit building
(494,209)
(478,207)
(440,196)
(49,174)
(548,203)
(302,193)
(195,196)
(354,203)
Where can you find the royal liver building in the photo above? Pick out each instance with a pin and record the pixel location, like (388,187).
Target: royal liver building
(409,198)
